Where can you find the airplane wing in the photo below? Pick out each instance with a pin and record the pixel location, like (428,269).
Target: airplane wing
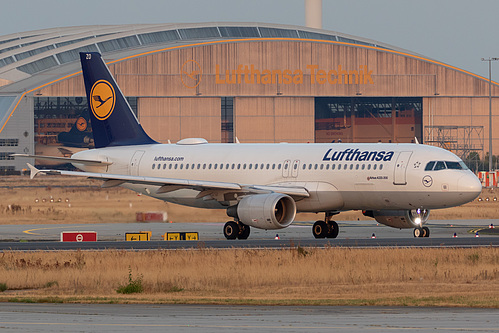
(172,184)
(64,159)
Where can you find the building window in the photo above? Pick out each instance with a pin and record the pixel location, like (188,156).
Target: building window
(227,119)
(9,142)
(342,118)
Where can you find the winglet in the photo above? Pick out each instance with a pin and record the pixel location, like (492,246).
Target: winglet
(416,139)
(33,171)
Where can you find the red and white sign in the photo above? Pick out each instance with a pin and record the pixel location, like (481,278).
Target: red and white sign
(151,216)
(78,236)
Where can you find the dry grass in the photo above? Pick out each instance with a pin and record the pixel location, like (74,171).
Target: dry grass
(450,277)
(88,203)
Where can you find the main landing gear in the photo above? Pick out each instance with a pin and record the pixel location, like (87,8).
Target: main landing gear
(421,232)
(233,230)
(326,228)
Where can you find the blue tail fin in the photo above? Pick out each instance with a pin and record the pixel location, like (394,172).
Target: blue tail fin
(113,121)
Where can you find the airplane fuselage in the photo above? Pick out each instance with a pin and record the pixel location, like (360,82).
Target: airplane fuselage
(338,176)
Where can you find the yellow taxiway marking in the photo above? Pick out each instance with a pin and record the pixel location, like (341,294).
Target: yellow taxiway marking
(30,231)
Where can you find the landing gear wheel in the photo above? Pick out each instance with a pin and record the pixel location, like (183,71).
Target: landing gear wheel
(320,229)
(418,232)
(426,232)
(244,231)
(333,229)
(231,230)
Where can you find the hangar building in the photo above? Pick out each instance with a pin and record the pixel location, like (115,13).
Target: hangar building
(251,81)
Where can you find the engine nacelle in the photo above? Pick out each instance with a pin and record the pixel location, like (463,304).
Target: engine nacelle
(265,211)
(400,218)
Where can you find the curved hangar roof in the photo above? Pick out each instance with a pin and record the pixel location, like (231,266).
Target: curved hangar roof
(55,51)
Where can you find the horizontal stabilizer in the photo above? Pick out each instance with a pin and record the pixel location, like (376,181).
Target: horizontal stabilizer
(63,159)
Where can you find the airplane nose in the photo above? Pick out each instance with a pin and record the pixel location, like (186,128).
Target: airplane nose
(469,184)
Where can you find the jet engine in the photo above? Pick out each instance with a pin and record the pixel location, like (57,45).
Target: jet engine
(265,211)
(402,219)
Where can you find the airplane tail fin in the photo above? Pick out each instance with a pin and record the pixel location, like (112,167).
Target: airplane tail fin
(113,121)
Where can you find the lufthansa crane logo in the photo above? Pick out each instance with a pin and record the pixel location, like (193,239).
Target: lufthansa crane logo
(427,181)
(81,124)
(191,74)
(102,100)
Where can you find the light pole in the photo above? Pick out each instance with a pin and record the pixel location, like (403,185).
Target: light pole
(490,109)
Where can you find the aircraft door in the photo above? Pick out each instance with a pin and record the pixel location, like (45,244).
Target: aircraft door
(135,162)
(399,176)
(285,168)
(295,168)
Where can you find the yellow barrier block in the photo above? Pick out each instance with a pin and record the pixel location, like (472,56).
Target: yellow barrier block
(191,236)
(137,236)
(147,232)
(175,236)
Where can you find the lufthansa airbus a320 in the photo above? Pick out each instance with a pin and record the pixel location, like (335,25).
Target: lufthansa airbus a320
(265,185)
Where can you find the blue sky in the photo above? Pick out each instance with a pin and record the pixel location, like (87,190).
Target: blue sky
(456,32)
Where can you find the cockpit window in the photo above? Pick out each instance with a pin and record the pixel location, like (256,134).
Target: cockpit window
(442,165)
(453,165)
(429,166)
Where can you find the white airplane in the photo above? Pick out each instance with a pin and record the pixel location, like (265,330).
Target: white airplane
(265,185)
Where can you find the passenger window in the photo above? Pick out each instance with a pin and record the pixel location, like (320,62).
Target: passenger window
(429,166)
(304,166)
(244,166)
(182,166)
(204,166)
(273,166)
(357,167)
(369,167)
(333,166)
(440,165)
(268,166)
(374,166)
(193,166)
(209,166)
(351,166)
(238,166)
(153,166)
(381,166)
(176,166)
(322,166)
(327,166)
(227,166)
(310,166)
(169,166)
(363,166)
(250,166)
(279,166)
(261,166)
(164,166)
(215,166)
(295,166)
(233,166)
(199,166)
(315,167)
(285,167)
(345,166)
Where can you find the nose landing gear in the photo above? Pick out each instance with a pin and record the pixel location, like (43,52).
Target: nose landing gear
(421,232)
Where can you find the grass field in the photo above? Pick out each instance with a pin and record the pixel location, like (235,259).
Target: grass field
(85,202)
(429,277)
